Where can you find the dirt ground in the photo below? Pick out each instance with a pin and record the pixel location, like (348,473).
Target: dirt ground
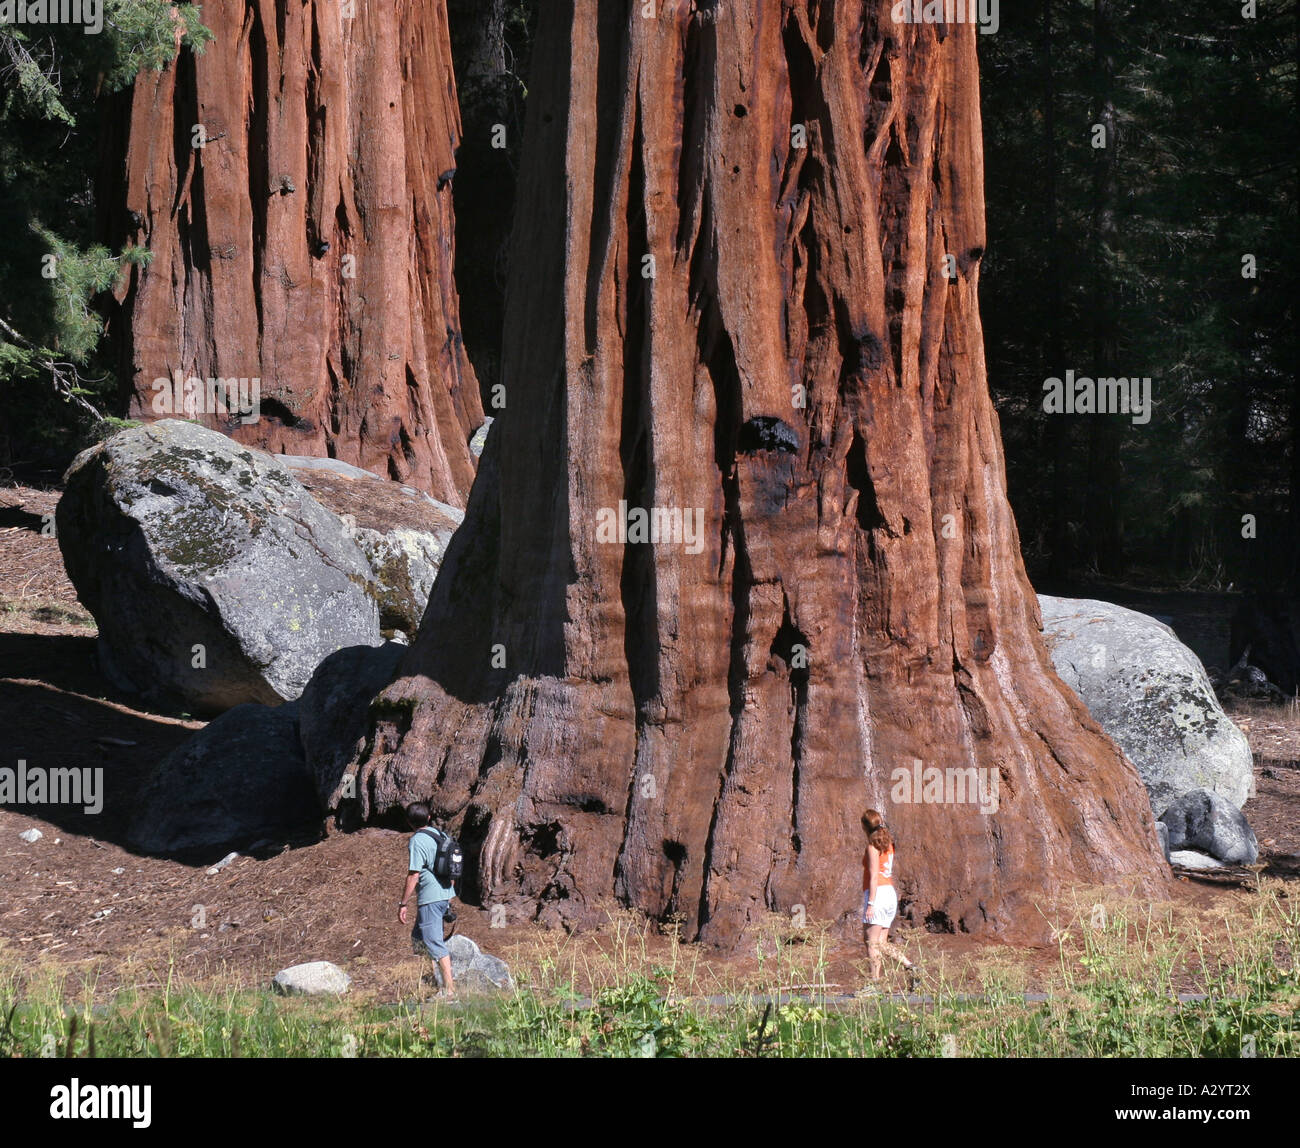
(80,901)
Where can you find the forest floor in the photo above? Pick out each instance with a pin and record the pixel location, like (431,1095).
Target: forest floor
(77,904)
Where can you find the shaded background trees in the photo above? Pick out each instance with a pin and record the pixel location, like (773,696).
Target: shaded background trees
(1128,260)
(56,85)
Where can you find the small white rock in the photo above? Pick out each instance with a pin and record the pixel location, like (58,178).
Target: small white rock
(312,978)
(226,860)
(31,836)
(1194,859)
(118,871)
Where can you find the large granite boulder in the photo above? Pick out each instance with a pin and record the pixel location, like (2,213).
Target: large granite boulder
(238,783)
(214,577)
(1150,693)
(333,714)
(403,532)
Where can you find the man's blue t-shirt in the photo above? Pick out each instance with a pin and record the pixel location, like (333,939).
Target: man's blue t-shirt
(423,850)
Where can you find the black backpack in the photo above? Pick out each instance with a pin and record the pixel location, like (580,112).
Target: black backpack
(448,861)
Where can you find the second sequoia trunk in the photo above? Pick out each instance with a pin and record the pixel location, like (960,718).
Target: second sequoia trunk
(294,184)
(743,302)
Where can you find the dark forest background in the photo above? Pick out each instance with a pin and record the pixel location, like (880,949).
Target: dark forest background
(1124,260)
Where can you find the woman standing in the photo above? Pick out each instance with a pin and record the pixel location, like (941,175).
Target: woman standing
(880,897)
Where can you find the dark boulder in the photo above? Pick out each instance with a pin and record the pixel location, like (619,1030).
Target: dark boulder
(239,782)
(333,721)
(1207,823)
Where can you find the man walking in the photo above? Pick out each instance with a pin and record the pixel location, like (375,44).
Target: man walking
(434,901)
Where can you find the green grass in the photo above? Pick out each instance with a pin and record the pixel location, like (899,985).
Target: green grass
(1113,995)
(636,1021)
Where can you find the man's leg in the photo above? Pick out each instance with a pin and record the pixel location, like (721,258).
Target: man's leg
(438,946)
(428,931)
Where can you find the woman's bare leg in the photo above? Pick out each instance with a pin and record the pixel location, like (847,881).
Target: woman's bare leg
(874,935)
(893,952)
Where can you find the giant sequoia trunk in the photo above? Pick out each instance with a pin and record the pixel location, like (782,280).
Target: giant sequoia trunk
(696,729)
(309,241)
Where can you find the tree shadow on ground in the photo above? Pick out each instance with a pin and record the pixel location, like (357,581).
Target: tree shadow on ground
(57,712)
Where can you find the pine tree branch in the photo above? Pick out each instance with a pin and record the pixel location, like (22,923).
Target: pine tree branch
(65,376)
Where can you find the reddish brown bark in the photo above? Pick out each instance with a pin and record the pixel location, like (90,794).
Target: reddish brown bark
(321,129)
(870,527)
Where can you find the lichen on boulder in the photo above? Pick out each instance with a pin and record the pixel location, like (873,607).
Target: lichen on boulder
(402,532)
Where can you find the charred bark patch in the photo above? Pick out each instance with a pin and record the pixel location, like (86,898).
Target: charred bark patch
(274,409)
(861,350)
(675,853)
(938,921)
(767,433)
(543,841)
(791,646)
(612,88)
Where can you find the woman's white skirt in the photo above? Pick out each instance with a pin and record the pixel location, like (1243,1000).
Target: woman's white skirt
(883,910)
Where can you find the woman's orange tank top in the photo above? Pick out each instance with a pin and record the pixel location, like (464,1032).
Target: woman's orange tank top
(886,868)
(887,864)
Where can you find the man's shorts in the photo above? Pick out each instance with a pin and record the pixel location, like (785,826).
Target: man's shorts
(885,907)
(428,928)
